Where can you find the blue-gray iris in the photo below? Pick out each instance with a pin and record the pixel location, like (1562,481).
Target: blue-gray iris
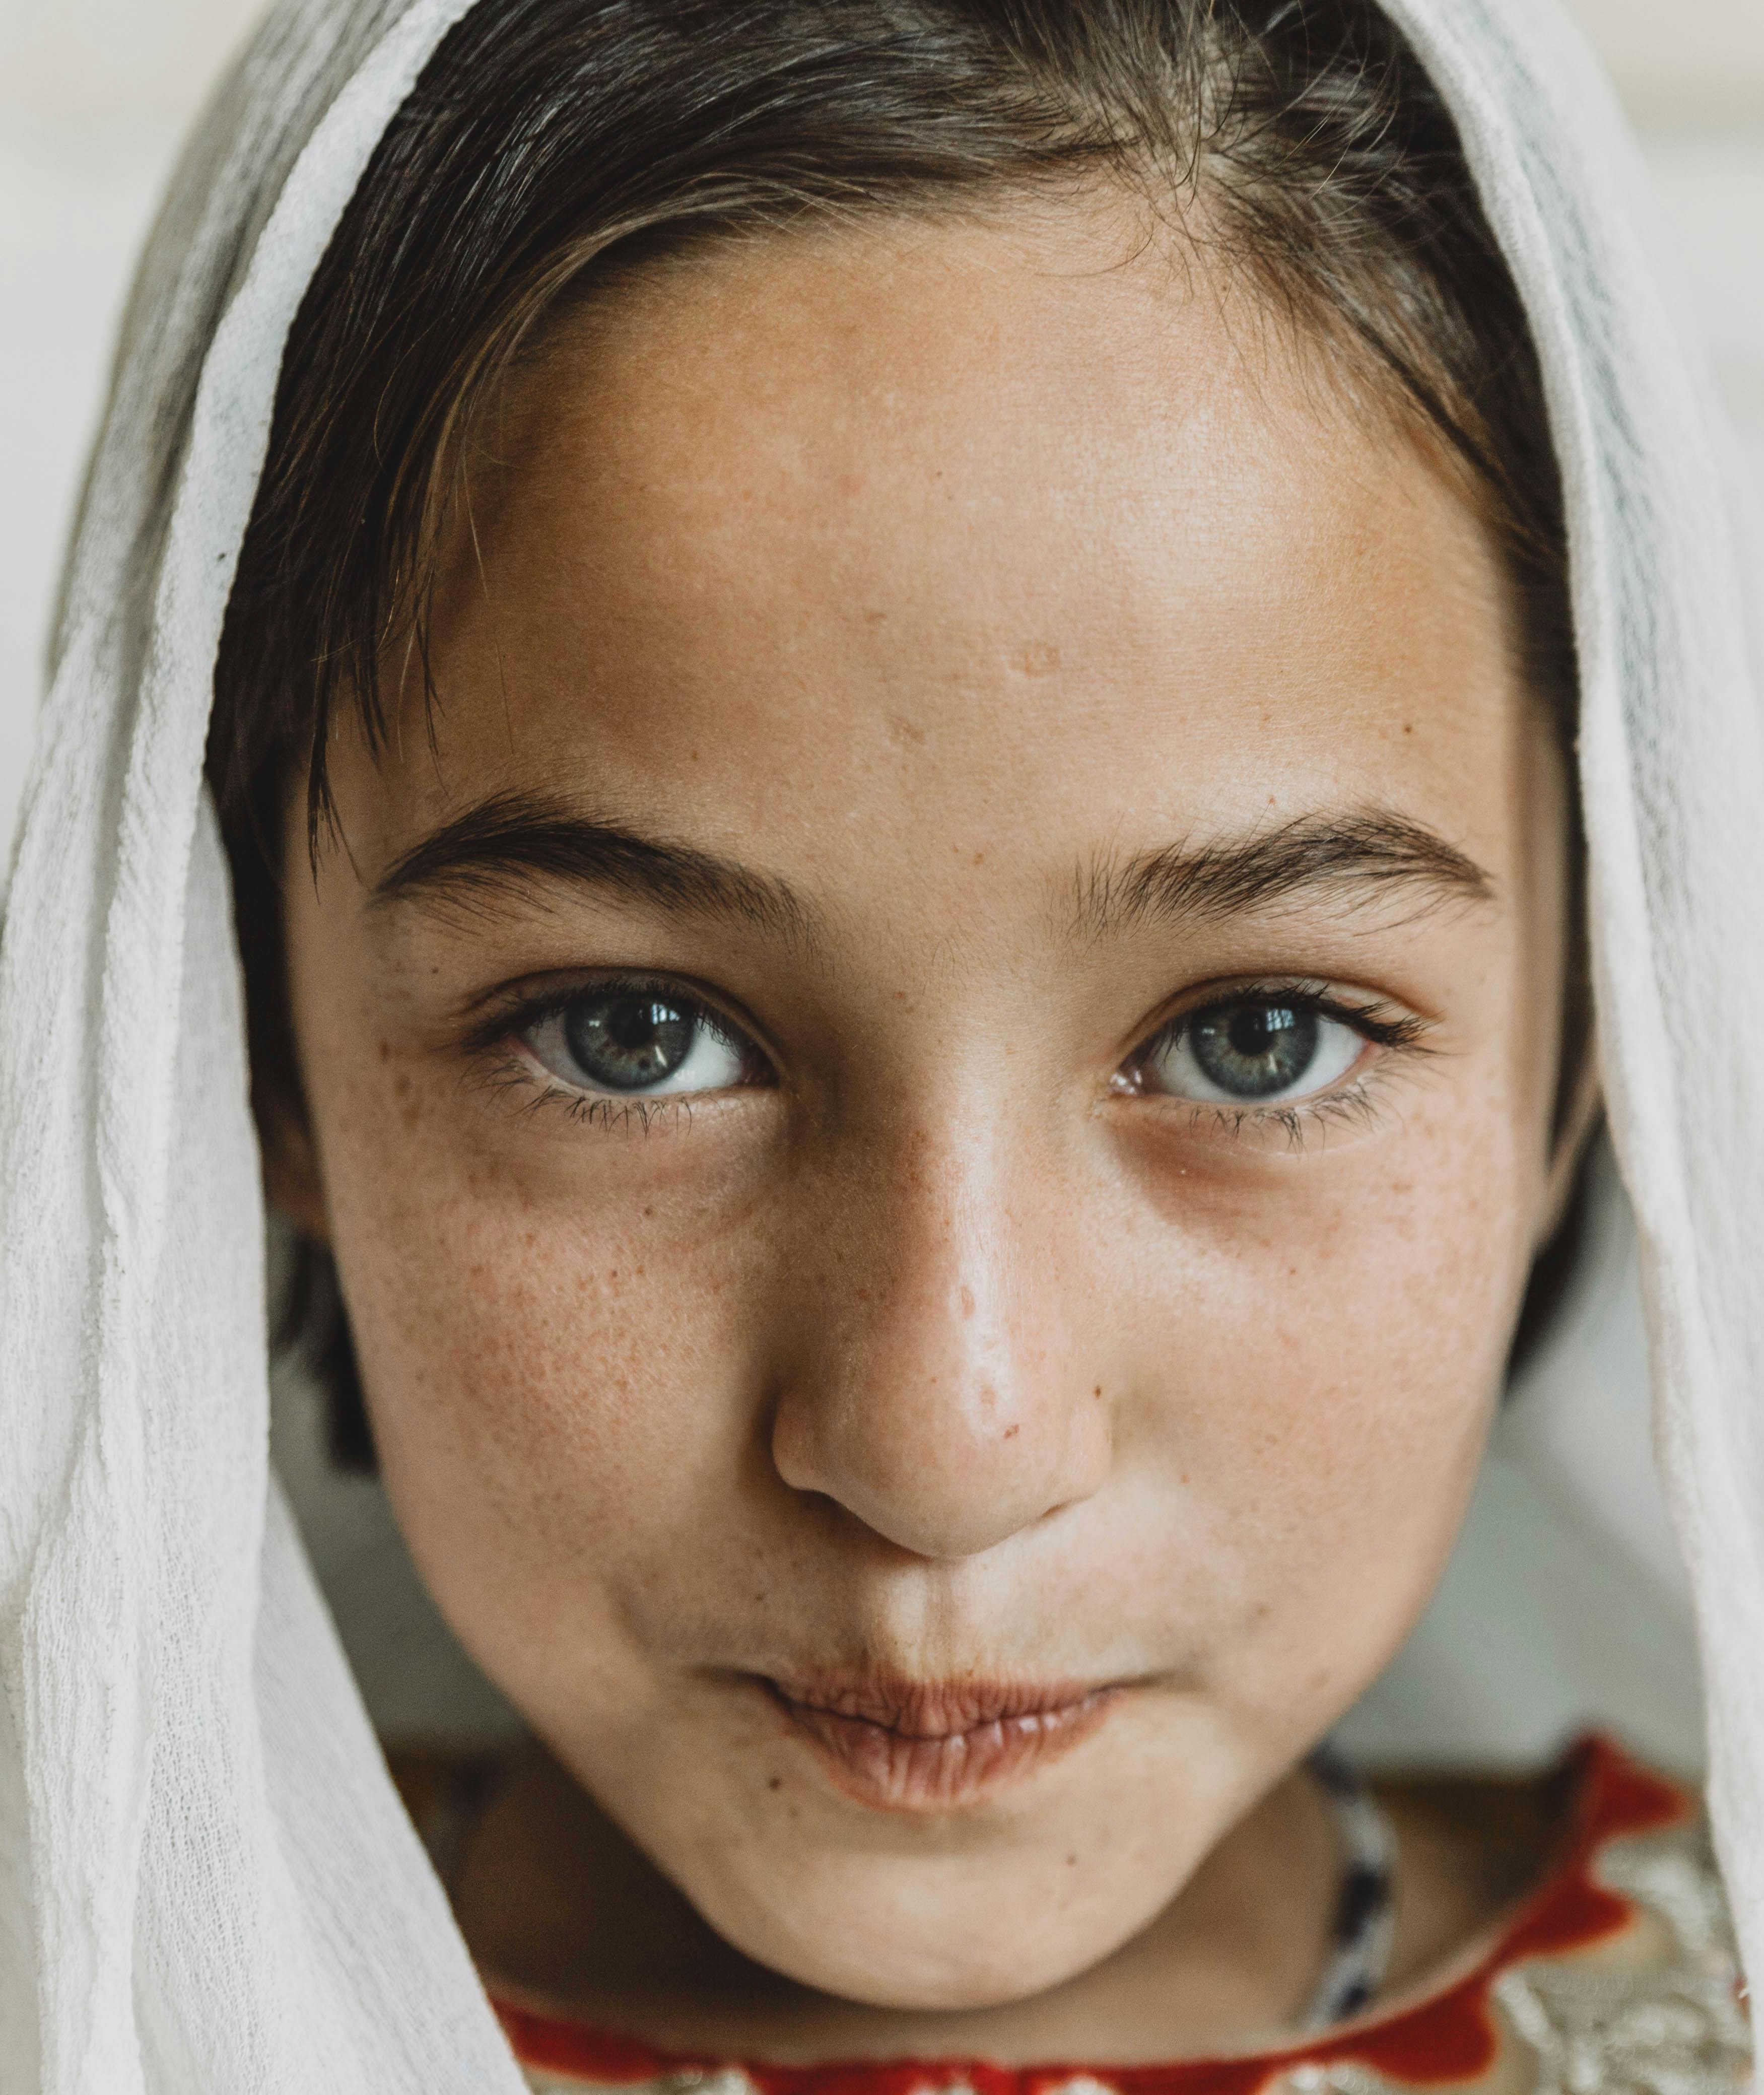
(1254,1050)
(627,1040)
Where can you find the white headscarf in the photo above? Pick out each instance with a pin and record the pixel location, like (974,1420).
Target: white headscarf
(206,1883)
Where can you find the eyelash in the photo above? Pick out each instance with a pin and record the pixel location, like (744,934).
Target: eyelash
(1402,1034)
(530,1091)
(515,1075)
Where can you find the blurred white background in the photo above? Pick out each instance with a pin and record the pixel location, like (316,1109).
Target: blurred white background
(95,95)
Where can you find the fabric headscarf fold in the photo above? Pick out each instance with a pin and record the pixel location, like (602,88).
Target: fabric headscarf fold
(206,1883)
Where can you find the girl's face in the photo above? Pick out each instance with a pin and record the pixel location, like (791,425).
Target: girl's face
(934,1100)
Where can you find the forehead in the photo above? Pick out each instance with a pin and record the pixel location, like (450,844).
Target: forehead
(900,531)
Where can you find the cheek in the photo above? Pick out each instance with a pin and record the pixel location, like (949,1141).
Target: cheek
(1321,1344)
(561,1369)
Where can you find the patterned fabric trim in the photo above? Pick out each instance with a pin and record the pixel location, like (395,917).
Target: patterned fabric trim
(1364,1921)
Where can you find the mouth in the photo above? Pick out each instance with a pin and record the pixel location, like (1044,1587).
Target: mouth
(926,1747)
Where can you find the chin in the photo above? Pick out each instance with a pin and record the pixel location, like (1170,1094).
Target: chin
(952,1981)
(931,1953)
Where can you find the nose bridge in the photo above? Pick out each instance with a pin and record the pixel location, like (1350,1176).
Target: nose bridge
(947,1406)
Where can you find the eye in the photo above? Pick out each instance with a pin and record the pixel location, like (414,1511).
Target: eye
(1252,1051)
(636,1040)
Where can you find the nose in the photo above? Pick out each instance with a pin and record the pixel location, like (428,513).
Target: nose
(951,1396)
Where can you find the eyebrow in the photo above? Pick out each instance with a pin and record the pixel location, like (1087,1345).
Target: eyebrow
(525,841)
(518,840)
(1365,855)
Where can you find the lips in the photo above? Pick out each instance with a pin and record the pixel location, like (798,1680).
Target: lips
(915,1747)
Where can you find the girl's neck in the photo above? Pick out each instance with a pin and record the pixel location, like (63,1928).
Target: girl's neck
(558,1905)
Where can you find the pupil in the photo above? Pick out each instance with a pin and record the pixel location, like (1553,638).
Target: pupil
(1254,1029)
(628,1042)
(1254,1050)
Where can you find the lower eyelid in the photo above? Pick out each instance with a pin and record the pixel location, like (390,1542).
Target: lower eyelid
(532,1088)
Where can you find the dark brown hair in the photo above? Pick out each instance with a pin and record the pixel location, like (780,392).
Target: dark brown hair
(550,144)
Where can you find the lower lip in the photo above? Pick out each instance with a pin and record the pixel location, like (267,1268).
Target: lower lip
(896,1770)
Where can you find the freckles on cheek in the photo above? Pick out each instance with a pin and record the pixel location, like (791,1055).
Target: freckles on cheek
(515,1348)
(536,1369)
(1342,1345)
